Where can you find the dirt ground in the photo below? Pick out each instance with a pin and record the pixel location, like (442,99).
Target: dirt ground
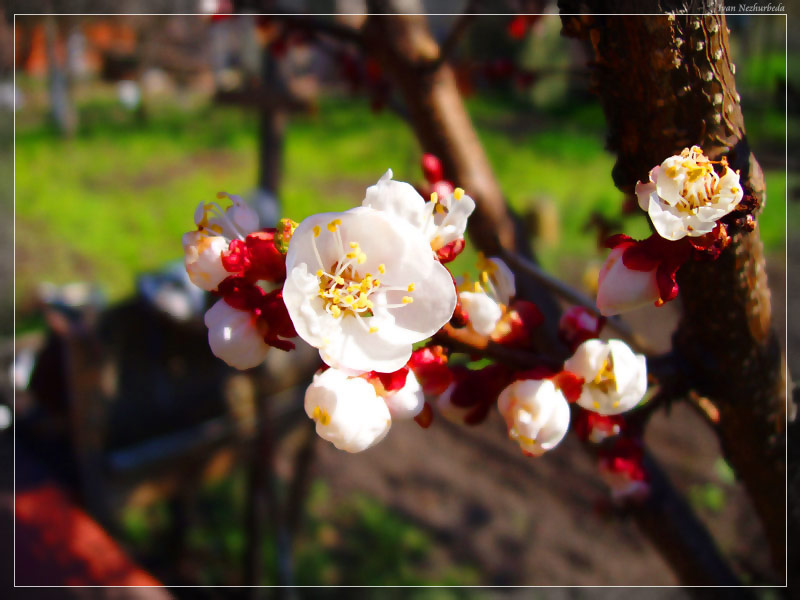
(536,521)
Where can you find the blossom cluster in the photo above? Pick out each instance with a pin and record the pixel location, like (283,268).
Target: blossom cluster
(686,197)
(370,289)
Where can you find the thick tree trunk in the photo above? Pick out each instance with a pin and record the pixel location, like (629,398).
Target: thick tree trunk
(666,82)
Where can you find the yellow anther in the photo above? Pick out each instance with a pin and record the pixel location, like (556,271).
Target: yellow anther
(321,416)
(354,244)
(373,330)
(349,299)
(596,404)
(484,277)
(458,193)
(362,258)
(320,272)
(317,230)
(478,289)
(411,287)
(377,282)
(734,190)
(407,300)
(335,311)
(381,268)
(339,279)
(439,209)
(434,197)
(334,225)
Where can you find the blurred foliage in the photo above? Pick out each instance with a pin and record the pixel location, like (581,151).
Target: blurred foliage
(114,200)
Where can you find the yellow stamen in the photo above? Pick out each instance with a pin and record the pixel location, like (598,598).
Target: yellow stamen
(434,197)
(407,300)
(458,193)
(411,287)
(381,268)
(317,231)
(373,330)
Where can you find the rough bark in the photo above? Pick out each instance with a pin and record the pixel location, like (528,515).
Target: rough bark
(667,82)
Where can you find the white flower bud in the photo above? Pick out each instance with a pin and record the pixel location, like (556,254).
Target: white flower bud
(620,289)
(202,258)
(537,414)
(407,402)
(347,411)
(616,378)
(234,337)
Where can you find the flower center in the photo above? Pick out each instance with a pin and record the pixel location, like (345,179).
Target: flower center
(701,182)
(320,415)
(344,290)
(605,379)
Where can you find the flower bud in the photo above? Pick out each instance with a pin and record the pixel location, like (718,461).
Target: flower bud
(347,411)
(620,288)
(616,378)
(233,336)
(536,413)
(202,258)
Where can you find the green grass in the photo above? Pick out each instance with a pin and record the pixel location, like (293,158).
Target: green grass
(355,541)
(114,200)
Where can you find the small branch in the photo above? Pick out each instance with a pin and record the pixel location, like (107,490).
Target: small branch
(576,297)
(341,32)
(453,38)
(456,340)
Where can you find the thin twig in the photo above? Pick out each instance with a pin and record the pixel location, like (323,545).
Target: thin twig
(576,297)
(515,357)
(326,27)
(451,41)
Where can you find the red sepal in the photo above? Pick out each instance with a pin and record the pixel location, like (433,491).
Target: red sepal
(425,416)
(447,253)
(391,382)
(429,365)
(570,384)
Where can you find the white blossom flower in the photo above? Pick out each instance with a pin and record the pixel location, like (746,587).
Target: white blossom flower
(363,288)
(408,401)
(621,289)
(616,377)
(685,196)
(536,413)
(234,336)
(486,301)
(347,411)
(441,221)
(216,228)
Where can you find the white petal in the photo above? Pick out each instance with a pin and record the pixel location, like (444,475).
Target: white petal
(233,336)
(355,418)
(503,280)
(203,259)
(669,223)
(484,313)
(644,191)
(398,199)
(620,289)
(352,347)
(407,402)
(587,358)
